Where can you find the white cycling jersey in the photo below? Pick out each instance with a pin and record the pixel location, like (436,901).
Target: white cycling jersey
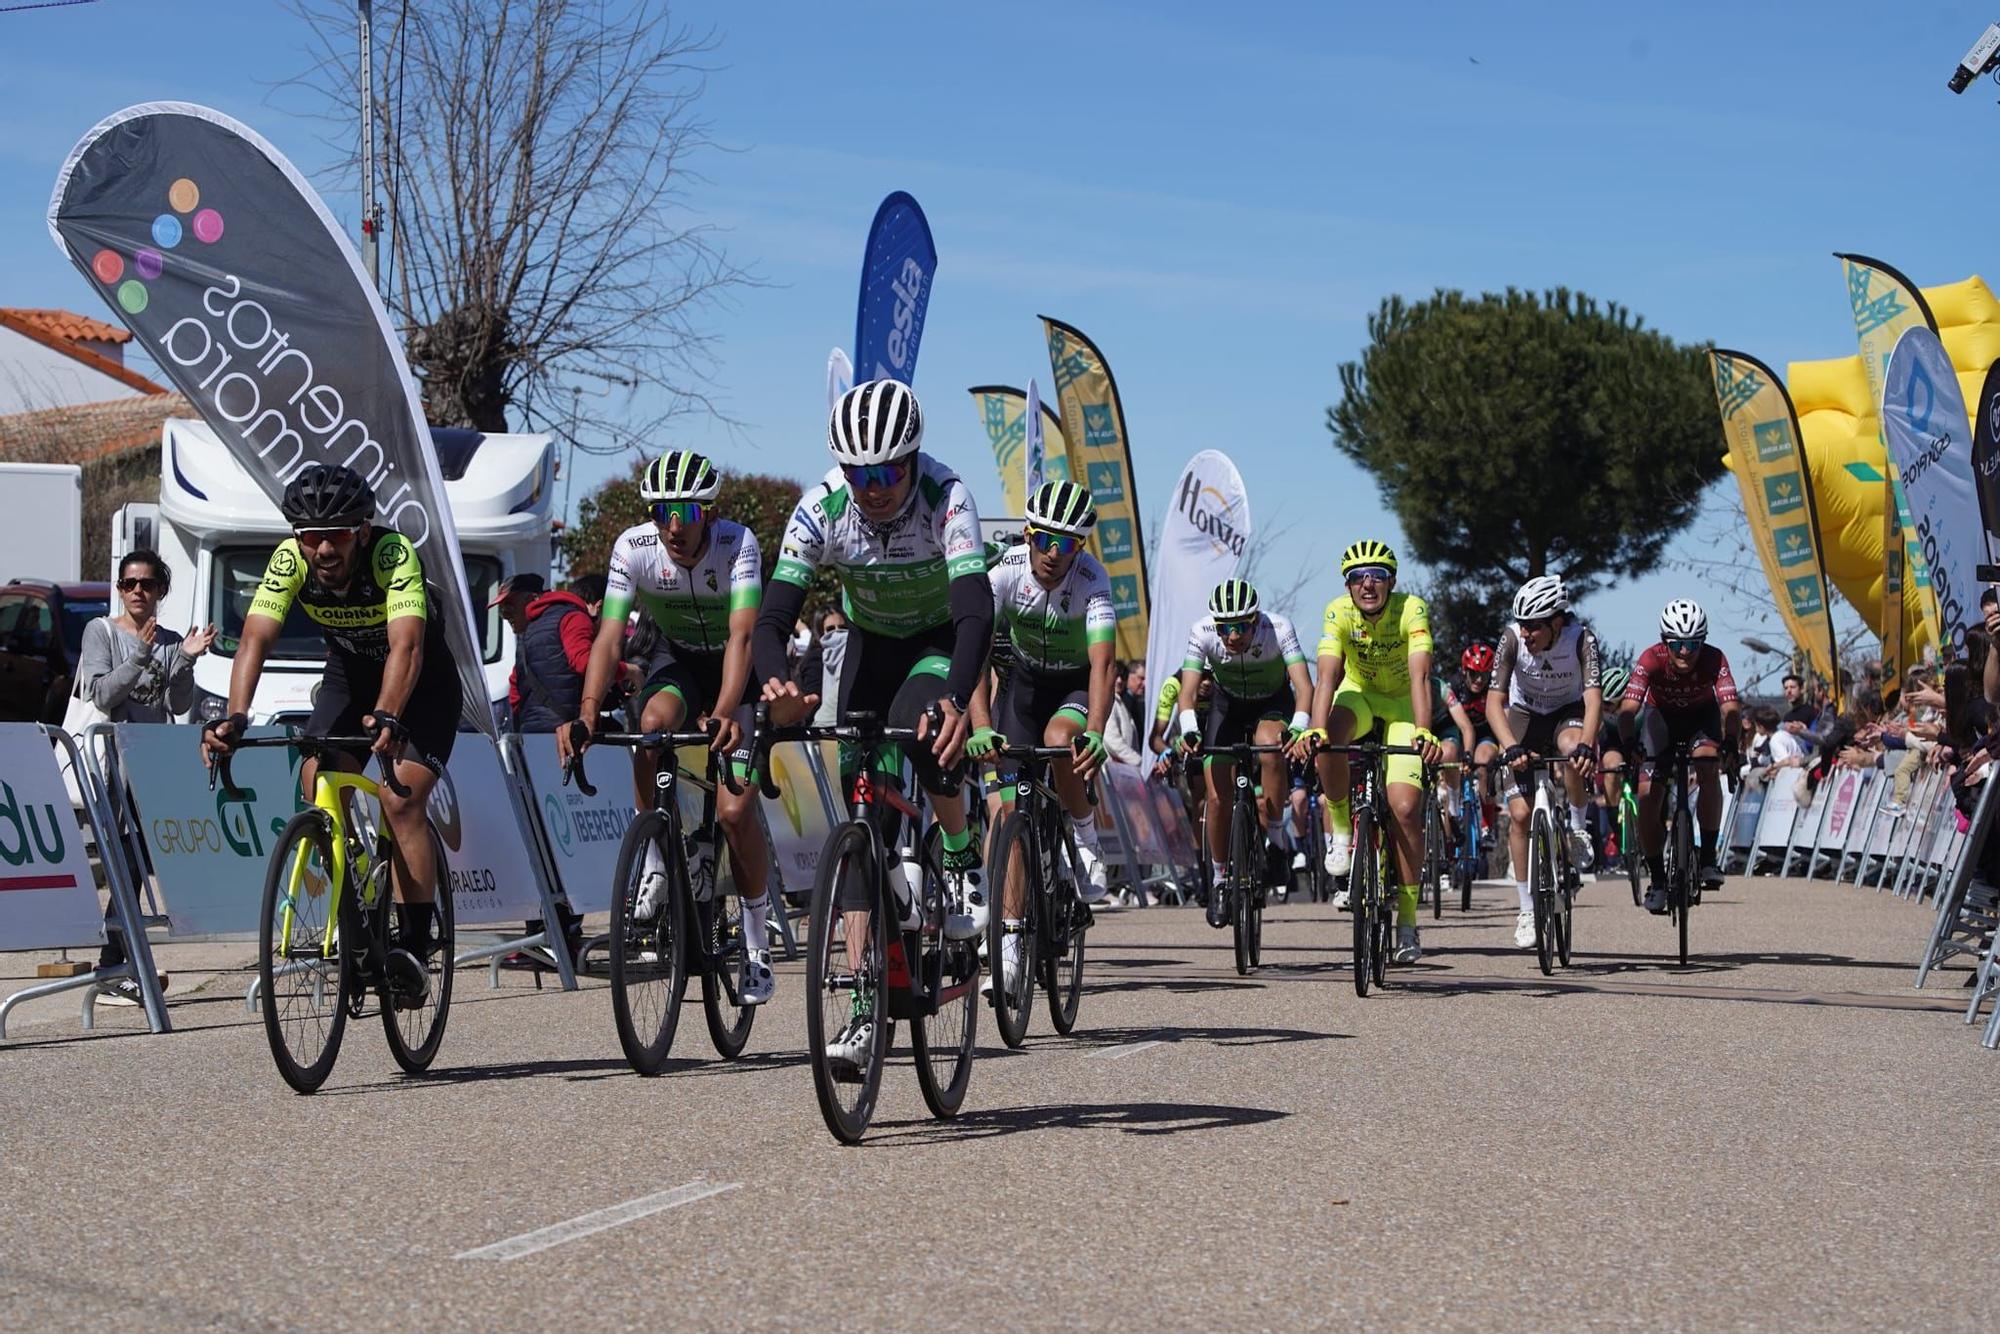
(1545,683)
(1259,671)
(1052,629)
(690,603)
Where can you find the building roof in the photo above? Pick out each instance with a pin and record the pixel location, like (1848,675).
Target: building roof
(88,431)
(66,333)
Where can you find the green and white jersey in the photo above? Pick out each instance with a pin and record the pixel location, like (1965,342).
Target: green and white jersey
(1259,671)
(690,604)
(895,577)
(1053,628)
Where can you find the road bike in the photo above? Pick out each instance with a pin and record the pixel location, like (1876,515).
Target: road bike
(904,967)
(324,930)
(1318,880)
(1369,899)
(1244,875)
(1683,864)
(1034,862)
(1627,826)
(684,927)
(1439,848)
(1552,876)
(1469,859)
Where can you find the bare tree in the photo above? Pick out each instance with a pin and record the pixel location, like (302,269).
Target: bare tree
(537,171)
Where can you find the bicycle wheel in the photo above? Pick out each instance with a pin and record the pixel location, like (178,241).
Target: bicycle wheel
(1434,854)
(302,987)
(1318,887)
(415,1033)
(1011,867)
(1684,872)
(648,958)
(837,992)
(1362,891)
(1541,887)
(942,1036)
(1384,916)
(1246,873)
(1565,899)
(1068,922)
(719,929)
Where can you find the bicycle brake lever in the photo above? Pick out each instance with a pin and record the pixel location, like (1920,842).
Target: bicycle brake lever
(389,779)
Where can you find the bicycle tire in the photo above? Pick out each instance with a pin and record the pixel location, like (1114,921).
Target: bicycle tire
(1068,922)
(1243,850)
(648,959)
(1434,861)
(1385,918)
(719,927)
(1360,898)
(1541,887)
(1468,865)
(1565,902)
(847,1105)
(1009,857)
(1318,883)
(1628,842)
(1685,869)
(415,1034)
(943,1036)
(306,1067)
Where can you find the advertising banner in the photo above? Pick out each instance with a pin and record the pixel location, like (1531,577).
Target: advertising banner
(1003,413)
(584,832)
(232,275)
(1031,421)
(1986,454)
(1125,787)
(1762,431)
(897,270)
(797,820)
(839,377)
(1202,542)
(1846,788)
(1101,458)
(1924,421)
(48,895)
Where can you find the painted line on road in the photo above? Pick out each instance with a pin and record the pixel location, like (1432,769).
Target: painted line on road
(1125,1049)
(598,1220)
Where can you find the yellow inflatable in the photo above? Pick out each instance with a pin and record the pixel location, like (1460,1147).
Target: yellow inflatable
(1841,429)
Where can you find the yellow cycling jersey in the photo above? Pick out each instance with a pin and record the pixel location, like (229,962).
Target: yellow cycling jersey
(1377,653)
(388,586)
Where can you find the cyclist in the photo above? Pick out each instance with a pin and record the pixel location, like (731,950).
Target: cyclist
(389,674)
(1475,674)
(899,529)
(1260,683)
(1375,668)
(695,575)
(1611,752)
(1546,698)
(1680,691)
(1053,600)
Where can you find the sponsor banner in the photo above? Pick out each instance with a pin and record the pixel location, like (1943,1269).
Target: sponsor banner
(1846,790)
(1126,786)
(1003,413)
(1101,458)
(1202,542)
(485,848)
(1924,421)
(1986,454)
(1174,819)
(839,377)
(232,275)
(1749,810)
(897,270)
(1766,454)
(1031,420)
(798,820)
(48,893)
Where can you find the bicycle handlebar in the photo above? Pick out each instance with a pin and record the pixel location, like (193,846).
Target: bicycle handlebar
(573,769)
(859,728)
(220,769)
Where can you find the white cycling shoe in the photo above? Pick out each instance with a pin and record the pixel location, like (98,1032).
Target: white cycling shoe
(969,921)
(1408,950)
(1096,882)
(652,890)
(1339,854)
(1524,929)
(759,983)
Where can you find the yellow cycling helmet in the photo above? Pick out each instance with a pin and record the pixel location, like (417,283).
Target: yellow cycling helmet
(1368,552)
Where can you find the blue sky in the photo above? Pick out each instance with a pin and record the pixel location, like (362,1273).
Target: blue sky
(1219,202)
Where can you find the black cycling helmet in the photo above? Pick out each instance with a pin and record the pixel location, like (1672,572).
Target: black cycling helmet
(328,496)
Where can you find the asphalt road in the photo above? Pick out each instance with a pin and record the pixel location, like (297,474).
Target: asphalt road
(1783,1133)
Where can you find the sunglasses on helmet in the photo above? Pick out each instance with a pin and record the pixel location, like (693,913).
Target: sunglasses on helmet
(875,476)
(1046,542)
(687,511)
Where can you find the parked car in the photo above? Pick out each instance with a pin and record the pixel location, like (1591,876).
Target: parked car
(41,636)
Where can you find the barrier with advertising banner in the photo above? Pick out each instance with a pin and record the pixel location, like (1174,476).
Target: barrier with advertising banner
(1125,788)
(48,897)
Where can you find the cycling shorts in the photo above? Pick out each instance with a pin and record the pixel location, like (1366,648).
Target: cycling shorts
(1538,733)
(696,678)
(1661,729)
(896,680)
(1399,728)
(1233,721)
(1028,702)
(431,715)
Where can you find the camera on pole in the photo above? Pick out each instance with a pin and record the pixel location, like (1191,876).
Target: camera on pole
(1981,59)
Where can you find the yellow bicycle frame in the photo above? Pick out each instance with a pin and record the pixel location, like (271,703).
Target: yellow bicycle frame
(330,791)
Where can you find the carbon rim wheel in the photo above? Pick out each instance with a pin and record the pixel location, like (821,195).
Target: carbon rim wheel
(1318,888)
(1565,903)
(1010,864)
(1384,917)
(1068,924)
(1360,894)
(719,928)
(1242,850)
(648,961)
(942,1040)
(837,992)
(1541,888)
(1628,846)
(1434,854)
(302,986)
(415,1033)
(1684,876)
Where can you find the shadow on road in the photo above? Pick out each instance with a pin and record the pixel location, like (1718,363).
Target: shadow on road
(1219,1036)
(1132,1118)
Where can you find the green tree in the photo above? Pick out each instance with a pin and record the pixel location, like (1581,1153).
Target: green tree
(1516,435)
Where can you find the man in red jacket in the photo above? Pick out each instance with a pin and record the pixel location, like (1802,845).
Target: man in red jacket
(552,638)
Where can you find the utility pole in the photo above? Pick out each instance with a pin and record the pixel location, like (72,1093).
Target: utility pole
(371,212)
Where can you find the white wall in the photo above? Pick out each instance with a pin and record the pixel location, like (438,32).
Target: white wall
(34,376)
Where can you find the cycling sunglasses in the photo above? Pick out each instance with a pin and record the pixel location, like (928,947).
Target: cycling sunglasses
(1230,629)
(875,476)
(133,583)
(1374,574)
(1683,645)
(312,537)
(1044,541)
(687,511)
(1539,623)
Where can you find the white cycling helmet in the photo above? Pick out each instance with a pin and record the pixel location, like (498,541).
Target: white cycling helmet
(877,421)
(1062,507)
(1543,595)
(1683,618)
(680,474)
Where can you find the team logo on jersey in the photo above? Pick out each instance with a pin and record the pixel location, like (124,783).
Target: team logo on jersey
(284,563)
(711,581)
(389,555)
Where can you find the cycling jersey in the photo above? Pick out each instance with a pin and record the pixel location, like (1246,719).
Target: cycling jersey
(895,577)
(1546,682)
(388,585)
(1655,680)
(1377,651)
(1259,670)
(1052,629)
(690,603)
(1474,702)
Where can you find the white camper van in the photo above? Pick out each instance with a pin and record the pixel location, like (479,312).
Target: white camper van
(215,528)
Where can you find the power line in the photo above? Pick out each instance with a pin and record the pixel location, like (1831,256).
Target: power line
(44,4)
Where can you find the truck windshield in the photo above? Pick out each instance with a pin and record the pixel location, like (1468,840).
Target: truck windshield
(77,613)
(238,569)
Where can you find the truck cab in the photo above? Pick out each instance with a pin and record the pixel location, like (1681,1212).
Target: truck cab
(216,529)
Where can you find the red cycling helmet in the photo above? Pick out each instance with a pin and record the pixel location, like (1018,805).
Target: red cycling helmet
(1477,658)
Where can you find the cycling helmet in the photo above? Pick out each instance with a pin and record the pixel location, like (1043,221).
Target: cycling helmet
(1543,595)
(877,421)
(1614,680)
(1367,552)
(680,474)
(1477,658)
(327,496)
(1062,507)
(1233,600)
(1683,619)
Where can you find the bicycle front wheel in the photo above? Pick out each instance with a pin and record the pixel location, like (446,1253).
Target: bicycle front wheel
(1542,888)
(1068,922)
(942,1036)
(416,1031)
(1434,854)
(1363,889)
(847,1025)
(1011,872)
(1628,845)
(1246,869)
(1684,877)
(302,987)
(648,958)
(719,928)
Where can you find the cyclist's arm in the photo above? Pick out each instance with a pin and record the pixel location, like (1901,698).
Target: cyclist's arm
(1302,689)
(1496,718)
(800,553)
(1496,692)
(980,708)
(405,664)
(1420,690)
(1332,671)
(605,652)
(735,661)
(972,631)
(1463,721)
(1103,676)
(1593,687)
(1190,690)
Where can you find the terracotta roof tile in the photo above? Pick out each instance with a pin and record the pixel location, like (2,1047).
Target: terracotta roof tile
(88,431)
(28,324)
(70,325)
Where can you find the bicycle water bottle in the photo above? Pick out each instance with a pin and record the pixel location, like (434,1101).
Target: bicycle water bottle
(701,865)
(906,873)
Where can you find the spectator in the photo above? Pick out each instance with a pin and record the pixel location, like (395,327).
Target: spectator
(1799,716)
(810,670)
(552,635)
(135,670)
(1775,748)
(1134,697)
(590,587)
(1121,729)
(829,656)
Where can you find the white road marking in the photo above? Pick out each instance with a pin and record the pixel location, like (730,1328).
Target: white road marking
(1123,1050)
(598,1220)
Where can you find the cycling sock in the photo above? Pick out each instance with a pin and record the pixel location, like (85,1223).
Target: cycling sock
(1085,828)
(756,931)
(1709,838)
(1217,872)
(1657,867)
(1527,897)
(1406,905)
(1010,941)
(1578,815)
(1340,819)
(960,841)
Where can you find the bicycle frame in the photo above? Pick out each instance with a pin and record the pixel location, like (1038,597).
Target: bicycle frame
(330,794)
